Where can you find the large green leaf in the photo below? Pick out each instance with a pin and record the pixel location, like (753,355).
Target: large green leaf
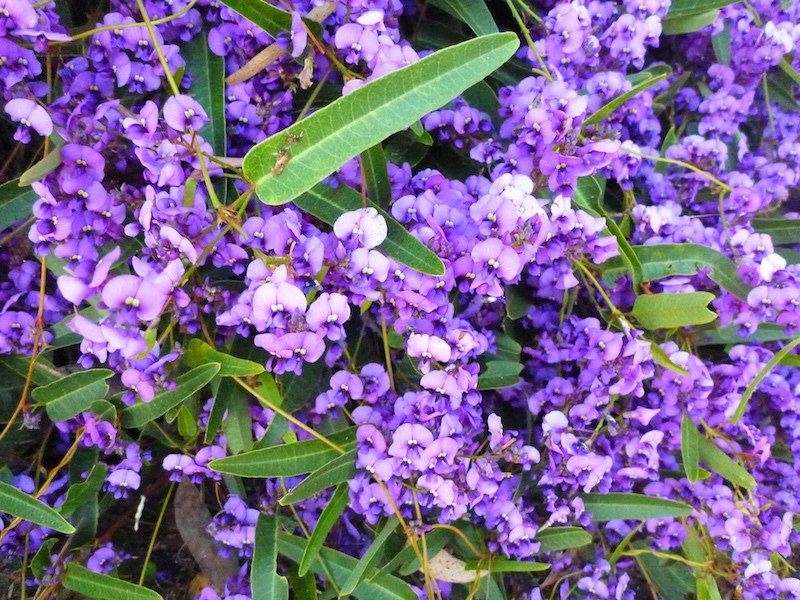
(271,19)
(73,394)
(667,311)
(609,507)
(782,230)
(294,160)
(690,448)
(499,374)
(186,386)
(104,587)
(665,260)
(553,539)
(19,504)
(656,74)
(265,583)
(340,469)
(200,353)
(376,175)
(286,460)
(369,557)
(672,580)
(687,8)
(330,514)
(472,12)
(339,566)
(689,24)
(16,203)
(208,87)
(327,204)
(722,464)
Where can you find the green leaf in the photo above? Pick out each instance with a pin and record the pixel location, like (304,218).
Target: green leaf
(722,464)
(16,367)
(200,353)
(499,374)
(329,137)
(687,8)
(690,448)
(340,469)
(237,424)
(609,507)
(42,168)
(406,561)
(103,587)
(766,369)
(589,196)
(506,566)
(327,519)
(186,386)
(208,87)
(42,559)
(73,394)
(722,45)
(85,492)
(327,204)
(690,23)
(339,566)
(657,73)
(19,504)
(781,90)
(665,260)
(16,203)
(369,557)
(667,311)
(660,357)
(554,539)
(672,580)
(376,175)
(766,332)
(269,18)
(782,230)
(286,460)
(265,583)
(518,300)
(472,12)
(789,70)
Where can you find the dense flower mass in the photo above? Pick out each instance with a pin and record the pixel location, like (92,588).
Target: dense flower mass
(538,344)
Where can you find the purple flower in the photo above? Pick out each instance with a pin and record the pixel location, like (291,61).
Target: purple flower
(183,113)
(143,298)
(30,115)
(16,14)
(363,227)
(291,350)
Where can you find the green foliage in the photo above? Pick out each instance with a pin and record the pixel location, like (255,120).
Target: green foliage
(339,470)
(270,18)
(319,144)
(553,539)
(651,77)
(208,87)
(609,507)
(73,394)
(369,557)
(330,515)
(690,448)
(472,12)
(722,464)
(499,374)
(19,504)
(265,583)
(16,203)
(200,353)
(667,311)
(104,587)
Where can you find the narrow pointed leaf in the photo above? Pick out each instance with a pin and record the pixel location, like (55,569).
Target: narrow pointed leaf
(553,539)
(85,492)
(722,464)
(376,175)
(325,140)
(667,311)
(686,8)
(271,19)
(19,504)
(340,565)
(42,168)
(506,566)
(265,583)
(16,203)
(104,587)
(665,260)
(690,448)
(657,73)
(609,507)
(782,230)
(327,204)
(689,24)
(340,469)
(187,385)
(73,394)
(472,12)
(286,460)
(369,557)
(208,87)
(330,514)
(200,353)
